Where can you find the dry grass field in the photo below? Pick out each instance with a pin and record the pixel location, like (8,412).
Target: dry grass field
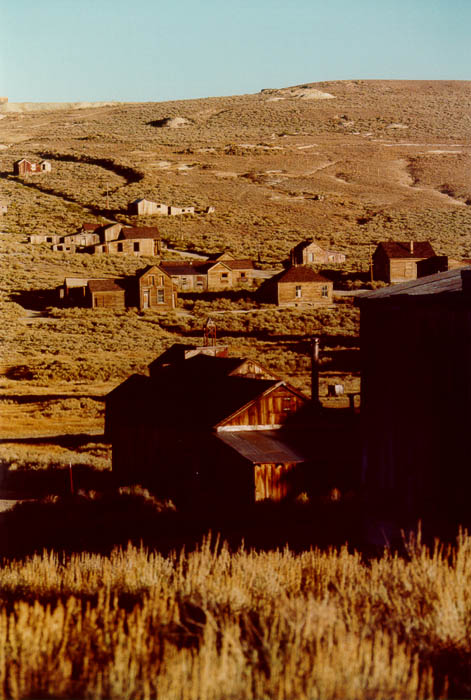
(374,160)
(221,624)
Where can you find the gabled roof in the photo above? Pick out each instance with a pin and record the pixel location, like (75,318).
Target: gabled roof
(116,285)
(149,268)
(306,244)
(299,273)
(245,264)
(213,257)
(134,232)
(401,249)
(185,267)
(198,393)
(90,227)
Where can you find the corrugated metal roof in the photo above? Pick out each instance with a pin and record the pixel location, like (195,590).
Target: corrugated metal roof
(262,446)
(450,281)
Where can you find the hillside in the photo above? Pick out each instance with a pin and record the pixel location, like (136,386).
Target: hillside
(348,162)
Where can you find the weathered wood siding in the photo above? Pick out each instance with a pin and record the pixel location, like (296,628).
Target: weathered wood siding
(272,409)
(156,290)
(318,293)
(253,370)
(220,277)
(273,481)
(403,270)
(108,300)
(137,247)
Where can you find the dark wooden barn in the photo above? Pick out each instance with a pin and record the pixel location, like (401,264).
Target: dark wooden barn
(208,426)
(416,395)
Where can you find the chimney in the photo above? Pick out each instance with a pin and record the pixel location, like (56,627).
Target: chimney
(315,372)
(411,244)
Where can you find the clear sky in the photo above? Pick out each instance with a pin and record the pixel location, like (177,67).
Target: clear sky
(153,50)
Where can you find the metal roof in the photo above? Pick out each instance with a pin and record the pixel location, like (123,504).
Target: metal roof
(441,282)
(262,446)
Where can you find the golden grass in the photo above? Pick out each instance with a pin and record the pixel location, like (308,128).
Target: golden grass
(212,624)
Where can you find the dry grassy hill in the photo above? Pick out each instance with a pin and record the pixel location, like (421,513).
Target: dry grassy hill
(349,162)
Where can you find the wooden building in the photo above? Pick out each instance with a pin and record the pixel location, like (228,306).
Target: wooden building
(27,167)
(155,289)
(132,240)
(310,253)
(416,396)
(298,285)
(145,207)
(150,288)
(212,275)
(205,428)
(107,293)
(395,261)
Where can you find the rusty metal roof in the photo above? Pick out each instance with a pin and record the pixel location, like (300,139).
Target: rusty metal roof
(262,446)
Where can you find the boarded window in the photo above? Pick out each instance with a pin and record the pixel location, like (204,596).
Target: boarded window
(160,296)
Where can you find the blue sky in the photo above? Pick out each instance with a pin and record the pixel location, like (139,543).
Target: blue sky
(151,50)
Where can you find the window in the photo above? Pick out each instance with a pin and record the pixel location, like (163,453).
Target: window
(161,281)
(136,247)
(120,248)
(184,281)
(242,275)
(48,239)
(151,281)
(325,291)
(224,275)
(160,296)
(299,291)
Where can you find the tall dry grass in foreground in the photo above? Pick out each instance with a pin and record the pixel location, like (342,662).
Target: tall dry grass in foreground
(212,624)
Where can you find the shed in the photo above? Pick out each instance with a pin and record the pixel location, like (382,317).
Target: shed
(107,293)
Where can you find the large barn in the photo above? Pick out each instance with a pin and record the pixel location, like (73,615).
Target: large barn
(416,395)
